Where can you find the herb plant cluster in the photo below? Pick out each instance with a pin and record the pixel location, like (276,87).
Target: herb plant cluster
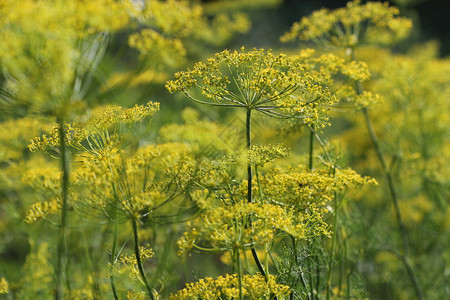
(314,172)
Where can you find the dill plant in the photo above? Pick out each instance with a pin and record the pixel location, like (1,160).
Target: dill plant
(350,28)
(52,68)
(410,141)
(245,216)
(113,185)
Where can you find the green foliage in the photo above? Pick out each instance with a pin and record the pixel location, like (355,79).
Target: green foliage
(249,195)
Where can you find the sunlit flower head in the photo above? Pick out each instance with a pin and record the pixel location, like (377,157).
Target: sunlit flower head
(260,80)
(353,25)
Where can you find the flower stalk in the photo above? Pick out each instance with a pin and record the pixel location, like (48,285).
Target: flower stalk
(112,260)
(62,249)
(392,190)
(249,184)
(138,259)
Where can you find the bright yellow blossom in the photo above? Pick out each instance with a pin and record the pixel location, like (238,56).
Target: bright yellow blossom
(353,25)
(226,287)
(259,80)
(4,286)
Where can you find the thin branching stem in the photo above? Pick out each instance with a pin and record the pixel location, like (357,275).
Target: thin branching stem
(297,262)
(311,147)
(333,241)
(239,270)
(112,260)
(138,259)
(249,183)
(62,249)
(249,144)
(392,190)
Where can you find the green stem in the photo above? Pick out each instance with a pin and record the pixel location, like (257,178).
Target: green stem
(311,165)
(347,270)
(333,243)
(249,144)
(138,259)
(249,183)
(392,190)
(112,259)
(311,277)
(317,260)
(302,278)
(311,147)
(239,270)
(61,251)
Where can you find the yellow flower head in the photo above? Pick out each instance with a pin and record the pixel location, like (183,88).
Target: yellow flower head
(259,80)
(4,286)
(253,287)
(98,123)
(353,25)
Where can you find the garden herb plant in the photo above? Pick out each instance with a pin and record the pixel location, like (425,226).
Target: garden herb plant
(277,87)
(244,192)
(351,28)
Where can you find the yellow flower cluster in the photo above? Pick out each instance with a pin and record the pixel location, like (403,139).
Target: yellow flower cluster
(127,264)
(355,24)
(4,288)
(132,295)
(259,80)
(356,70)
(366,98)
(40,210)
(99,171)
(284,203)
(46,182)
(102,119)
(73,135)
(253,287)
(309,191)
(328,69)
(260,155)
(136,183)
(241,225)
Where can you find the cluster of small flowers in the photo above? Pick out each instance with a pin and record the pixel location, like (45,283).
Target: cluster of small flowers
(42,209)
(109,116)
(74,134)
(127,264)
(259,80)
(253,287)
(112,176)
(300,188)
(228,227)
(260,155)
(4,287)
(101,120)
(373,22)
